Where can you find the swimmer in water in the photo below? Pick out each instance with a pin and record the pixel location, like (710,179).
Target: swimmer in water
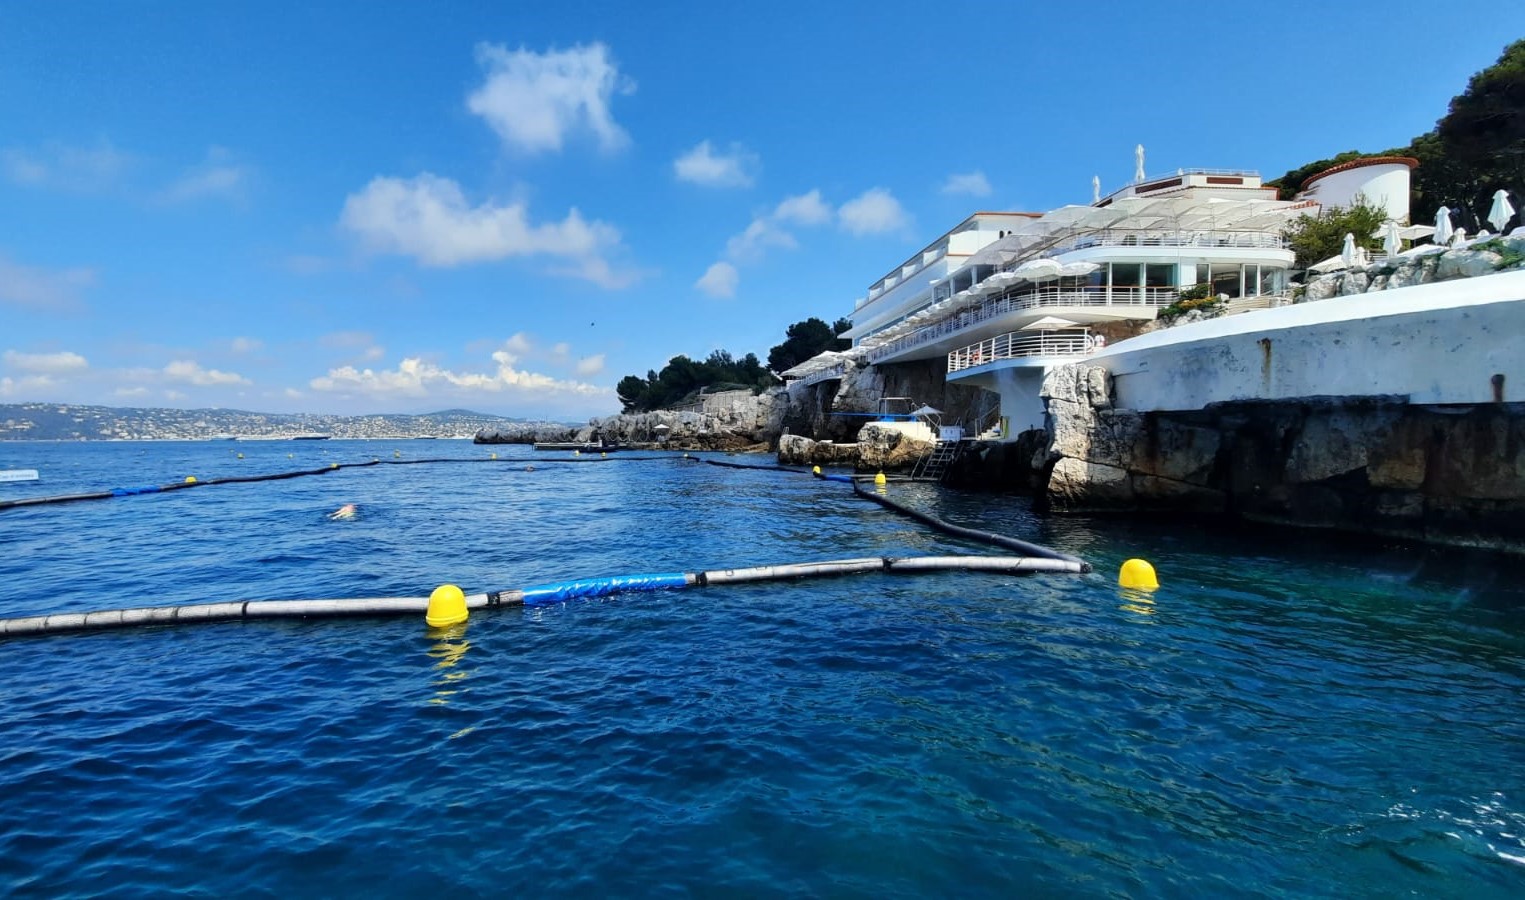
(347,511)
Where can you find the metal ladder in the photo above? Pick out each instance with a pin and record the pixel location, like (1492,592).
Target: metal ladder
(933,466)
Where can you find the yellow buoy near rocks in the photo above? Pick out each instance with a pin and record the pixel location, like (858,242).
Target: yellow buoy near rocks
(447,606)
(1138,574)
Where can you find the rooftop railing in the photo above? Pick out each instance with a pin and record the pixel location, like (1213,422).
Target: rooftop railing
(1021,345)
(1258,240)
(1023,300)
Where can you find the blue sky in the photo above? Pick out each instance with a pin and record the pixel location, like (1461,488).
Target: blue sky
(405,207)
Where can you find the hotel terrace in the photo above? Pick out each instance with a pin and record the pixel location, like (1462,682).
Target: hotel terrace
(1006,296)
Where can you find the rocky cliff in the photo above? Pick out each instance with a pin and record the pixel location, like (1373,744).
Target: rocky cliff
(1377,465)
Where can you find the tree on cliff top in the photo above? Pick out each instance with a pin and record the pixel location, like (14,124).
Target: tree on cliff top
(805,339)
(1316,238)
(1478,147)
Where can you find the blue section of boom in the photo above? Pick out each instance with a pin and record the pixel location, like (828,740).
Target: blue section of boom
(543,594)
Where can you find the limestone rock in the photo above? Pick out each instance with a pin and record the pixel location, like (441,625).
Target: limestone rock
(1405,275)
(1354,283)
(882,448)
(1077,484)
(1321,288)
(1466,264)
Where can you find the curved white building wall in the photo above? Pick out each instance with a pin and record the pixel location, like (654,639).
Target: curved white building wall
(1384,184)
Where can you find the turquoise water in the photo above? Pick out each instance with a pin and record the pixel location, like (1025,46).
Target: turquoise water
(1287,716)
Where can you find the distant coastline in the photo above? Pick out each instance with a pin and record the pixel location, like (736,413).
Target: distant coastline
(71,422)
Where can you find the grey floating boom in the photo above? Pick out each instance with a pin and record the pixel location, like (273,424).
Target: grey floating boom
(540,595)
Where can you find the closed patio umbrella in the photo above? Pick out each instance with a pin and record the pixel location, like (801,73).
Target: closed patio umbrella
(1443,230)
(1502,210)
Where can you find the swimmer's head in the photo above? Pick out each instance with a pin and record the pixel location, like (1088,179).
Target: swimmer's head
(347,511)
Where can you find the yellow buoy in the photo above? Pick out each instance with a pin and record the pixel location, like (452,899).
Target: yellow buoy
(816,471)
(291,456)
(495,456)
(190,479)
(1137,574)
(240,456)
(604,455)
(880,479)
(447,606)
(396,454)
(333,465)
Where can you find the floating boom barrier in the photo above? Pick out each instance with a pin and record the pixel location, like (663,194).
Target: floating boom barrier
(540,595)
(193,482)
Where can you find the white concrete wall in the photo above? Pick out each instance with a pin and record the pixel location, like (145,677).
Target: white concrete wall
(1385,185)
(1018,386)
(1436,343)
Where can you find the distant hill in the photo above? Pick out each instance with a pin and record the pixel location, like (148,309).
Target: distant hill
(68,422)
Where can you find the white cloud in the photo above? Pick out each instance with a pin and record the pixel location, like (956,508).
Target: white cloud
(414,377)
(762,233)
(190,372)
(429,219)
(719,280)
(59,363)
(803,209)
(42,288)
(972,183)
(534,100)
(27,387)
(875,211)
(55,165)
(218,177)
(129,392)
(245,344)
(175,396)
(590,365)
(702,166)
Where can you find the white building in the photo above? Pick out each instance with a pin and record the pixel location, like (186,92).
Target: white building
(1006,296)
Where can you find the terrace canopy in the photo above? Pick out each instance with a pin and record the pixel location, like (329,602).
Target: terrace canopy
(1166,215)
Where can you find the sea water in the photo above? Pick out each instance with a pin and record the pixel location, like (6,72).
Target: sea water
(1286,716)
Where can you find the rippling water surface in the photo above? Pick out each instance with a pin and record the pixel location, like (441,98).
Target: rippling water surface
(1287,716)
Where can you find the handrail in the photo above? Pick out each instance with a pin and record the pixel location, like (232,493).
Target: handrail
(1154,237)
(1019,345)
(1032,298)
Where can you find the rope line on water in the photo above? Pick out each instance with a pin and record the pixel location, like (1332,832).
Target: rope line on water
(136,490)
(538,595)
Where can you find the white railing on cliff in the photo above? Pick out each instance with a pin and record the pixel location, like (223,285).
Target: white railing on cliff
(1022,345)
(820,375)
(1019,301)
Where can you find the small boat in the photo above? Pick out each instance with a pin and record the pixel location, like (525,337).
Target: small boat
(313,436)
(18,475)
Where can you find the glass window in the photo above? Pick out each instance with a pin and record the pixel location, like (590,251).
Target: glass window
(1126,274)
(1226,279)
(1160,275)
(1202,273)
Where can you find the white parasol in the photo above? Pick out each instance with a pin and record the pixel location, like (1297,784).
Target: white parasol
(1443,230)
(1502,210)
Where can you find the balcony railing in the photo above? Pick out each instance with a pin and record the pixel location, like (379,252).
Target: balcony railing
(1020,345)
(820,375)
(1022,300)
(1258,240)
